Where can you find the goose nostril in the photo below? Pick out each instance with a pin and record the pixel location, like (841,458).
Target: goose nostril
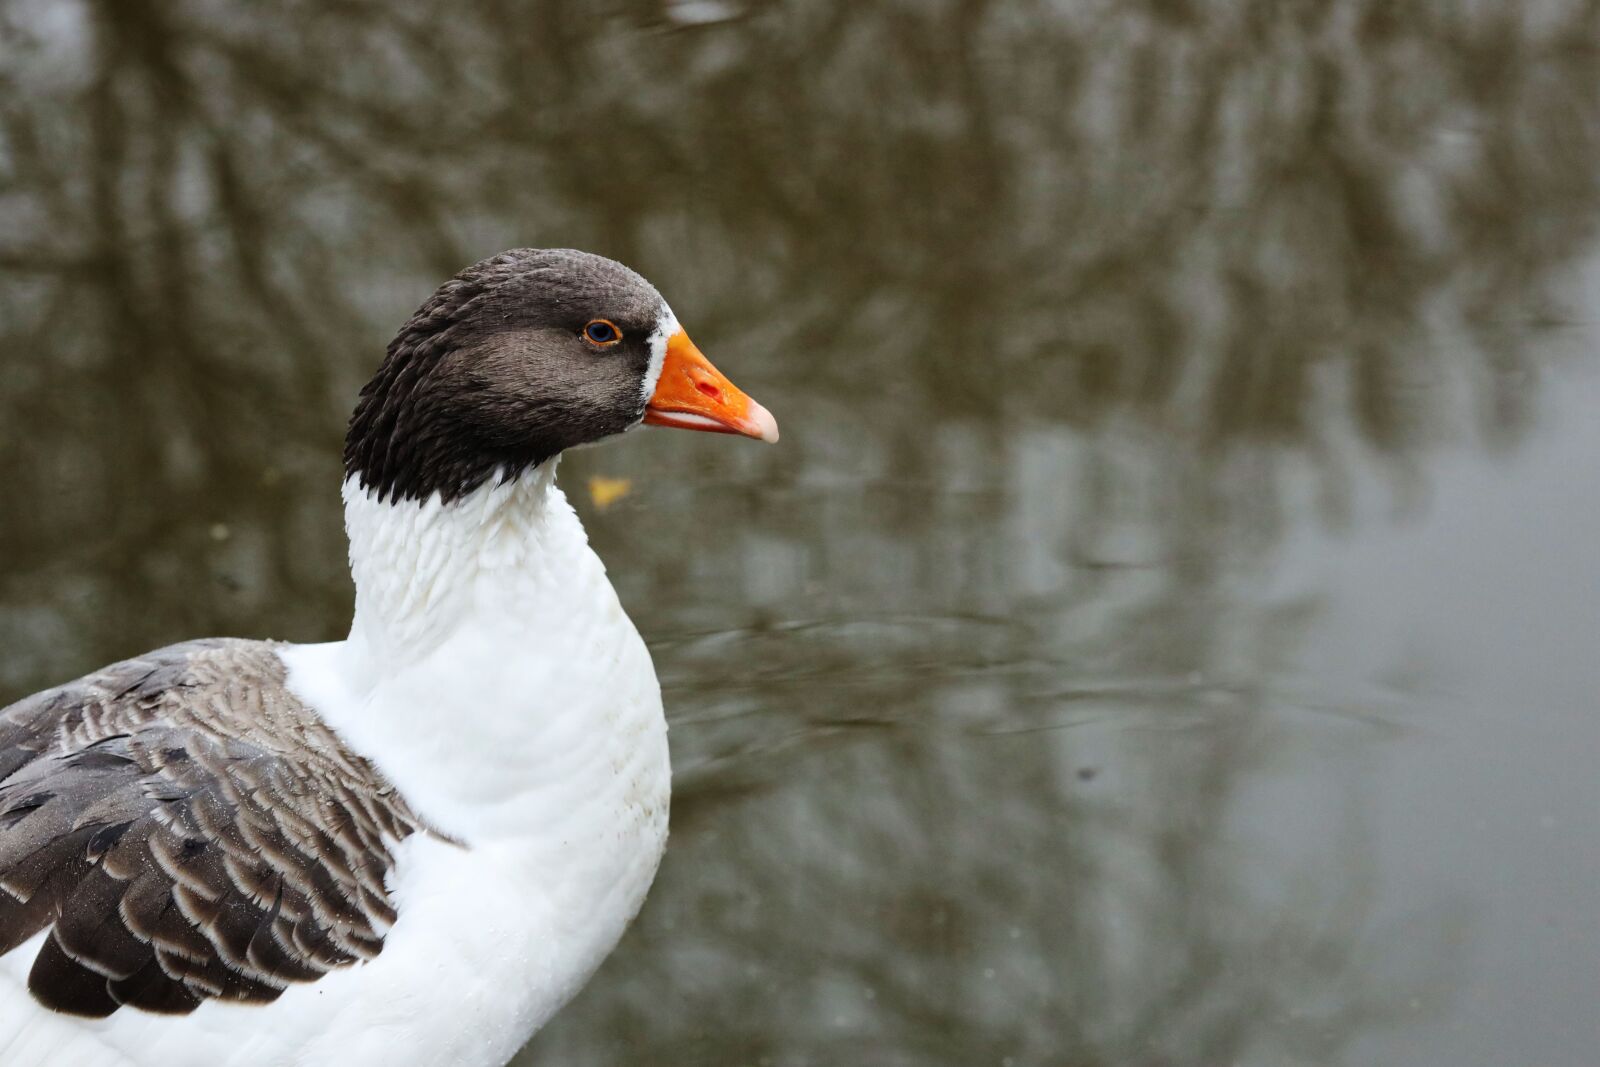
(709,390)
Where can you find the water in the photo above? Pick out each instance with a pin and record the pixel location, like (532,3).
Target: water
(1166,634)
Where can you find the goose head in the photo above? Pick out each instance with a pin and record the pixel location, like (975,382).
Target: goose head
(525,355)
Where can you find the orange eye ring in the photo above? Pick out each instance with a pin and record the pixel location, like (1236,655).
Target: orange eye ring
(601,333)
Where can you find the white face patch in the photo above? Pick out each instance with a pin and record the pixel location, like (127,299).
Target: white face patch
(666,326)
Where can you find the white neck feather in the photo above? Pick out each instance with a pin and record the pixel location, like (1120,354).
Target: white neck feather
(489,657)
(422,570)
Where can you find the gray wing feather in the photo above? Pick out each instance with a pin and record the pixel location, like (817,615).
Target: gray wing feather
(188,829)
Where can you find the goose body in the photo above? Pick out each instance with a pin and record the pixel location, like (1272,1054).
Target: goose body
(409,847)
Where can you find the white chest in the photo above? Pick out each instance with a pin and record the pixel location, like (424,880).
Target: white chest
(531,732)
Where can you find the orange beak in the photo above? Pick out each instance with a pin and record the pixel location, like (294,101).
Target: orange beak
(693,395)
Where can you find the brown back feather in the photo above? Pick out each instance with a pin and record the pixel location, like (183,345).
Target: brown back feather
(188,829)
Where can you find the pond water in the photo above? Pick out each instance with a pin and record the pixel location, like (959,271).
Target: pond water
(1168,632)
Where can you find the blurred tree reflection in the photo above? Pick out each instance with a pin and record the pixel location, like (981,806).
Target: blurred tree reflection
(1067,309)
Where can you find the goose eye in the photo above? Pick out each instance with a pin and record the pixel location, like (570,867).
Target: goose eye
(602,332)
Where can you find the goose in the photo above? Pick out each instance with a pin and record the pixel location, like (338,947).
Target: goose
(412,846)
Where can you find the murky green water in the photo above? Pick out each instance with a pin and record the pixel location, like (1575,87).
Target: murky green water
(1169,631)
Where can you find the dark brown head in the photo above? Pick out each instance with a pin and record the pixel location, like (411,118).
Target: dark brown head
(521,357)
